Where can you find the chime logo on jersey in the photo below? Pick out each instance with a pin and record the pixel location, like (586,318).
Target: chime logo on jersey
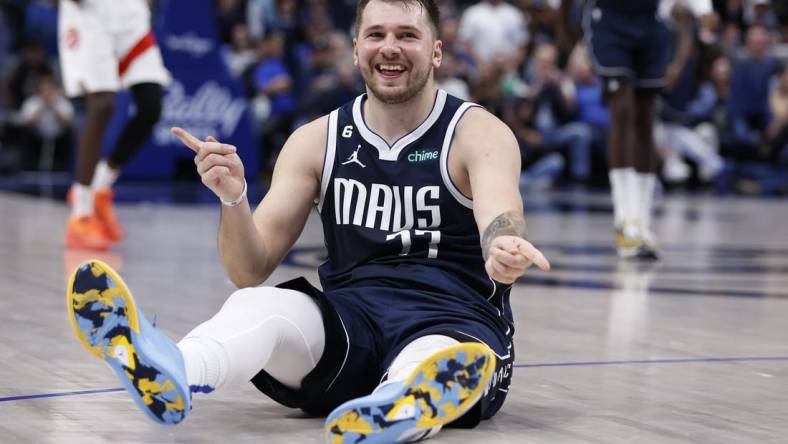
(421,156)
(387,208)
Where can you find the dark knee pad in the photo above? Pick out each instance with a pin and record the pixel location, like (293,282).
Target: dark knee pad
(147,99)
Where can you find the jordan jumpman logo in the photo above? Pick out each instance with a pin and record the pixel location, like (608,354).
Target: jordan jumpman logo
(354,158)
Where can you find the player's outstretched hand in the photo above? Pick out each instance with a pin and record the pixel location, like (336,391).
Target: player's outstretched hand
(218,164)
(509,257)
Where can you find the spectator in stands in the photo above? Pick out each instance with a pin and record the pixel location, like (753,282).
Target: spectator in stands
(48,116)
(239,53)
(495,31)
(6,41)
(41,24)
(554,99)
(718,88)
(274,86)
(589,105)
(23,80)
(540,167)
(21,83)
(749,96)
(778,130)
(260,17)
(448,78)
(684,130)
(543,18)
(333,80)
(228,14)
(465,64)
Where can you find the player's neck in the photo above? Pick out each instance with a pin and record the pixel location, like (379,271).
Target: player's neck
(392,121)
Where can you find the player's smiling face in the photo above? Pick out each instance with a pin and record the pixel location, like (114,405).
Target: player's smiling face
(396,49)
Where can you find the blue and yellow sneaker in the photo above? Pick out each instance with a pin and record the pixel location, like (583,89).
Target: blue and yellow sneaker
(107,322)
(440,390)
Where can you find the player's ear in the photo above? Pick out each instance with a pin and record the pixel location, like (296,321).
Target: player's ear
(355,51)
(437,53)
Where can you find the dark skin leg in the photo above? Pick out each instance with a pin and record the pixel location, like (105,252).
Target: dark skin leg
(99,108)
(621,104)
(645,156)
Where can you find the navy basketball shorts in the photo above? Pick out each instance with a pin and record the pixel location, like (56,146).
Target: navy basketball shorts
(366,328)
(626,48)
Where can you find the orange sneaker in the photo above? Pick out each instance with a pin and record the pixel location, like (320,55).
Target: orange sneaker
(106,214)
(86,233)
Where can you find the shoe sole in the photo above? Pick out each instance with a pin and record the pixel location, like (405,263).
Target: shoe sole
(106,322)
(440,390)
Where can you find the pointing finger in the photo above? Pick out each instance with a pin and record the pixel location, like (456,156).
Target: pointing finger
(190,141)
(541,261)
(535,256)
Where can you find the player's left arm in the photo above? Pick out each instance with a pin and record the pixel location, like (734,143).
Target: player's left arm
(487,165)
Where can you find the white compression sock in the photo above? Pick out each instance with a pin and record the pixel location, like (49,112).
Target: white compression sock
(647,183)
(623,190)
(411,356)
(414,353)
(104,176)
(261,328)
(82,200)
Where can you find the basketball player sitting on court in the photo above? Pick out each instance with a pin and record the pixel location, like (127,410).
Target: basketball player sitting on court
(106,44)
(423,220)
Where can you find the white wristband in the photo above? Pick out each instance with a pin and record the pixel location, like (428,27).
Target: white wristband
(232,203)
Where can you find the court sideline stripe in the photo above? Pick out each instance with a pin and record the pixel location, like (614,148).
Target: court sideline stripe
(652,361)
(554,364)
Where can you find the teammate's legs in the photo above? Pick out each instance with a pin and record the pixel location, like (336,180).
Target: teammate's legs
(645,162)
(620,99)
(650,63)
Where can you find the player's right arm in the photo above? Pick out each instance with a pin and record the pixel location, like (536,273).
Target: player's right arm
(252,245)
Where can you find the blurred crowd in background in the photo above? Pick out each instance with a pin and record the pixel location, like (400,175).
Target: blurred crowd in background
(722,119)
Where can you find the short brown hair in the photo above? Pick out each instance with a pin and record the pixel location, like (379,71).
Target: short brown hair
(428,5)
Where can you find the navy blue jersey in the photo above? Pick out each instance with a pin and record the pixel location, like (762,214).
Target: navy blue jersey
(392,216)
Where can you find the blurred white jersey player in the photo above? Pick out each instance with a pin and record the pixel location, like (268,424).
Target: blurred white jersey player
(106,45)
